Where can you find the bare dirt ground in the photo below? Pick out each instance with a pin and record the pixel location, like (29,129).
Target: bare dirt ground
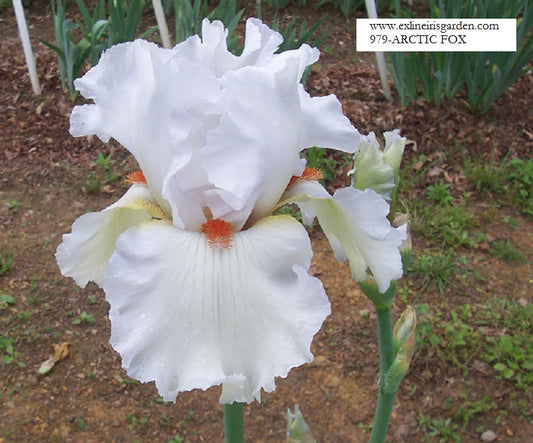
(87,397)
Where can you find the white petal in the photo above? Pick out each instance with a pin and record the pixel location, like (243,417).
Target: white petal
(325,125)
(305,56)
(189,316)
(148,99)
(211,51)
(85,252)
(358,221)
(250,157)
(303,193)
(357,228)
(260,43)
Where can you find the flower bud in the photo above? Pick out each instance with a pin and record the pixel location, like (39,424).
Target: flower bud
(394,147)
(377,169)
(404,331)
(298,430)
(371,171)
(404,344)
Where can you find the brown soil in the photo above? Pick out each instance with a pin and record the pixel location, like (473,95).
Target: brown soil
(87,397)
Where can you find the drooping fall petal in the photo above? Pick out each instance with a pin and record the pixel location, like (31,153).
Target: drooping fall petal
(357,228)
(188,315)
(84,253)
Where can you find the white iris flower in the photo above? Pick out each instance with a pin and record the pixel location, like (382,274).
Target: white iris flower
(206,286)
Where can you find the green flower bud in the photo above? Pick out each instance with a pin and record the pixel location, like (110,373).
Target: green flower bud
(394,147)
(370,168)
(404,344)
(298,430)
(377,169)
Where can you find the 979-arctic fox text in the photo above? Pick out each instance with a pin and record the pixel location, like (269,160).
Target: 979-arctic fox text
(418,39)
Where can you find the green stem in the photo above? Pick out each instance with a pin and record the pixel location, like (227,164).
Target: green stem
(382,417)
(386,358)
(234,423)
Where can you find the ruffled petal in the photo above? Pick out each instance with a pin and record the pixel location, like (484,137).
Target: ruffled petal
(149,100)
(85,252)
(357,228)
(211,51)
(259,145)
(216,136)
(260,43)
(188,316)
(325,125)
(257,142)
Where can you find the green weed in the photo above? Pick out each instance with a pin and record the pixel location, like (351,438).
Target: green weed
(506,250)
(6,262)
(136,422)
(291,210)
(84,318)
(438,427)
(511,181)
(13,204)
(436,269)
(329,166)
(34,297)
(102,175)
(91,299)
(511,353)
(6,300)
(521,177)
(497,332)
(425,327)
(81,424)
(511,221)
(440,194)
(442,225)
(487,177)
(7,351)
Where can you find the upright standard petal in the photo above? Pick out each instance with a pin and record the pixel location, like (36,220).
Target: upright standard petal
(186,315)
(149,100)
(85,252)
(325,125)
(356,225)
(265,123)
(211,51)
(260,43)
(251,155)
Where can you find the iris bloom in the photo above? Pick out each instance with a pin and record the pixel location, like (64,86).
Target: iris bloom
(206,285)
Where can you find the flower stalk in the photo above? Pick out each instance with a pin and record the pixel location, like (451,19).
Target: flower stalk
(386,358)
(396,348)
(234,423)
